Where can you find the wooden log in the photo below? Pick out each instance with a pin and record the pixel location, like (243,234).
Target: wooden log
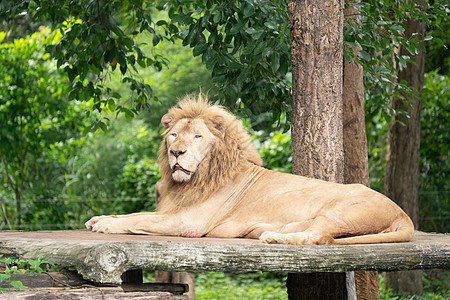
(69,279)
(104,258)
(84,294)
(63,278)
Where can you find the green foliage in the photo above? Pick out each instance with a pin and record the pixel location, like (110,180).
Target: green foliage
(216,285)
(274,146)
(261,285)
(434,198)
(11,265)
(115,172)
(434,148)
(246,45)
(98,38)
(434,287)
(184,74)
(376,131)
(107,172)
(32,115)
(438,46)
(380,33)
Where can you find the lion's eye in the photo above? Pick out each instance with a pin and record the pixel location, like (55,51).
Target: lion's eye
(198,137)
(174,134)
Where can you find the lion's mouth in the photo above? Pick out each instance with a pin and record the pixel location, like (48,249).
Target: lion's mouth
(177,167)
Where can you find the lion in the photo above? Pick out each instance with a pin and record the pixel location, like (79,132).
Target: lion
(213,185)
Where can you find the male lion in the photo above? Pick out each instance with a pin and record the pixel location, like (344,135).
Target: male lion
(213,185)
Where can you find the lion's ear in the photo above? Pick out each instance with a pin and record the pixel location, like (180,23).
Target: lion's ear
(220,123)
(166,121)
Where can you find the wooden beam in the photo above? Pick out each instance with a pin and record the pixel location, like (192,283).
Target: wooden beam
(104,258)
(69,279)
(89,294)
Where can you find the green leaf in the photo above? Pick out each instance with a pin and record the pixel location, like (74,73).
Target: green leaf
(102,126)
(111,104)
(251,30)
(200,48)
(4,277)
(440,42)
(284,65)
(366,56)
(347,56)
(18,285)
(155,40)
(260,47)
(237,27)
(275,61)
(248,9)
(212,61)
(386,51)
(249,49)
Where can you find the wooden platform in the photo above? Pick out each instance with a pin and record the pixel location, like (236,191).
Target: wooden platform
(104,258)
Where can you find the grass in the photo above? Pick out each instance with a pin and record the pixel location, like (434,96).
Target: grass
(217,285)
(222,286)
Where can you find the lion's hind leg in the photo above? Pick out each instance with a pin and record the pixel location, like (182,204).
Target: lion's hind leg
(320,232)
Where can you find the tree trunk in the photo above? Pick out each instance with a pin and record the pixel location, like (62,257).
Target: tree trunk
(403,150)
(18,207)
(317,134)
(356,165)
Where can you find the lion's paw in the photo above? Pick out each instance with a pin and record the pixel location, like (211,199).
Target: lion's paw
(106,224)
(89,224)
(271,237)
(297,238)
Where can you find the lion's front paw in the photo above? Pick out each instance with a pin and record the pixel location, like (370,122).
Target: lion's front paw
(89,224)
(106,224)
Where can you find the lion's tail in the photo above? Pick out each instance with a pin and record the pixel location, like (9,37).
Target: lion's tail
(403,233)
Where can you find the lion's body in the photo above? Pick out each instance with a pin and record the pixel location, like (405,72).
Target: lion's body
(213,185)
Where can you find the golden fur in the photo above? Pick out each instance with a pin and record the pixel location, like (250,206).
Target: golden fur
(233,148)
(213,185)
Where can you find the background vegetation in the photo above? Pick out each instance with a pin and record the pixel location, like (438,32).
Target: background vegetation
(57,169)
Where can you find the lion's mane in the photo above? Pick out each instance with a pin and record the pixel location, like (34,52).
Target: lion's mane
(229,154)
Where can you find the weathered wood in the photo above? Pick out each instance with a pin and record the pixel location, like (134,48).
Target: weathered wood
(44,281)
(104,258)
(71,279)
(84,294)
(53,279)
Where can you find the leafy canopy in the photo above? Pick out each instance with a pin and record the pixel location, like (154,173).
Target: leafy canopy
(245,44)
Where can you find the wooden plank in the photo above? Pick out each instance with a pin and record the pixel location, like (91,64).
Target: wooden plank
(104,258)
(89,293)
(69,279)
(53,279)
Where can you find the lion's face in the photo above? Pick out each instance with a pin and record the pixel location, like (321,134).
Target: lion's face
(189,143)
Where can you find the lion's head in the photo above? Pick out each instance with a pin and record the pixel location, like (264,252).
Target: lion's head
(204,145)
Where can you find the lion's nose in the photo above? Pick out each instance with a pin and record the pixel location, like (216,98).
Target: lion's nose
(177,153)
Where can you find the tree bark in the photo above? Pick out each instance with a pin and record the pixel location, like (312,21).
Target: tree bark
(317,134)
(356,165)
(403,150)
